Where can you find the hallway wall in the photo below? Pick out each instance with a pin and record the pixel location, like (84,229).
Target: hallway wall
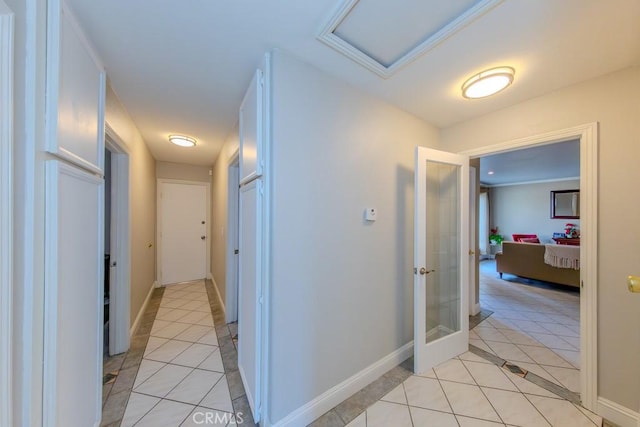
(170,170)
(341,287)
(219,194)
(611,100)
(142,199)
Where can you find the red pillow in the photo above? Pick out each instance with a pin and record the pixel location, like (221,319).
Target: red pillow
(529,240)
(519,237)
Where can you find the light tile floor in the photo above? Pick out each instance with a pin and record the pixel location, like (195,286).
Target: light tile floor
(534,327)
(181,380)
(469,391)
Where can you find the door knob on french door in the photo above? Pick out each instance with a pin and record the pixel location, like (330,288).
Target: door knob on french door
(424,271)
(634,284)
(203,237)
(471,252)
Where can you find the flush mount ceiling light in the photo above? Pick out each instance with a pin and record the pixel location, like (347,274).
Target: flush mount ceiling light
(488,82)
(182,141)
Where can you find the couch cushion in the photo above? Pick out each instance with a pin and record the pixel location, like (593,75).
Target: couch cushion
(519,237)
(529,240)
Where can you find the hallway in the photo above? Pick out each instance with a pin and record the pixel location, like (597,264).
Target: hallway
(181,378)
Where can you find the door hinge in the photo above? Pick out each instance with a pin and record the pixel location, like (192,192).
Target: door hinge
(261,300)
(236,251)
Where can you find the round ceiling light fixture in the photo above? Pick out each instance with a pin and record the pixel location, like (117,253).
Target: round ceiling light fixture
(488,82)
(182,141)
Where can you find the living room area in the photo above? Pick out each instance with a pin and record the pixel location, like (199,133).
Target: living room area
(529,269)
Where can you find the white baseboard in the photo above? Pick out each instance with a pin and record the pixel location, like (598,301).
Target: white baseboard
(476,309)
(142,309)
(618,414)
(215,286)
(317,407)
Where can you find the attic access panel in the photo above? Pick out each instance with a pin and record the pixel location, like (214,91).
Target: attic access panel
(384,36)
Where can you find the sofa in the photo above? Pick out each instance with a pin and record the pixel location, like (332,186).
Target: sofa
(527,260)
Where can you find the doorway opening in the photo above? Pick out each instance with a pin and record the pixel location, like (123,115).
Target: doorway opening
(556,338)
(117,244)
(233,239)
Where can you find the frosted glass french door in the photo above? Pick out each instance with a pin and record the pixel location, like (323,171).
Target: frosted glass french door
(441,247)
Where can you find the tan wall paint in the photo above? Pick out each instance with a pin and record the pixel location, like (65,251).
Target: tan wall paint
(219,194)
(170,170)
(613,101)
(142,199)
(526,209)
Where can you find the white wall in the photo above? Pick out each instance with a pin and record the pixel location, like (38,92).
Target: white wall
(525,209)
(611,100)
(342,289)
(142,199)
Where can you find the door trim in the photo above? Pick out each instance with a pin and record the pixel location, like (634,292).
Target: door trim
(231,273)
(6,214)
(589,140)
(120,294)
(160,183)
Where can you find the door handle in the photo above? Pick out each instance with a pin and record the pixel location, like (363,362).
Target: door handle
(203,237)
(114,263)
(634,284)
(422,271)
(471,252)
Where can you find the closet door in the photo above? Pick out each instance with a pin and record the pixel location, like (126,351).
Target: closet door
(73,297)
(75,92)
(250,292)
(251,130)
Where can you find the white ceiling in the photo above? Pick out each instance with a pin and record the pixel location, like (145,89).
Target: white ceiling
(543,163)
(183,66)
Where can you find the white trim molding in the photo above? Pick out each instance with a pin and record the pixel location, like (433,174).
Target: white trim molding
(328,36)
(6,213)
(588,135)
(617,414)
(309,412)
(136,322)
(215,286)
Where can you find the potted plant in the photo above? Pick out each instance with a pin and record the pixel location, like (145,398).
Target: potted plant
(495,238)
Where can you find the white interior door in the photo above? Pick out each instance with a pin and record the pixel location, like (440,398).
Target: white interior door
(183,232)
(73,297)
(250,292)
(441,250)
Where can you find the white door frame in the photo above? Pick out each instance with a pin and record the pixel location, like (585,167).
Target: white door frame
(120,243)
(474,253)
(6,213)
(160,183)
(588,136)
(231,275)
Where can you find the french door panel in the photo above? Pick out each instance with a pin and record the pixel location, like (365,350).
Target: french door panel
(250,292)
(441,250)
(73,296)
